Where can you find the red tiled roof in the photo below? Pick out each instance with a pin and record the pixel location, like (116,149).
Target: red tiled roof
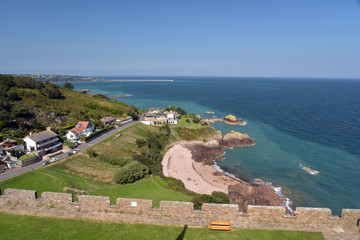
(80,126)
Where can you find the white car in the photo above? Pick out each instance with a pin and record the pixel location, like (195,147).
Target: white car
(76,151)
(53,160)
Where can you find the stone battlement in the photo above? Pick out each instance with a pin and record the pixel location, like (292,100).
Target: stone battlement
(141,210)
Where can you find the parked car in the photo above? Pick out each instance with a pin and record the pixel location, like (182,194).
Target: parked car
(76,151)
(69,153)
(2,170)
(46,162)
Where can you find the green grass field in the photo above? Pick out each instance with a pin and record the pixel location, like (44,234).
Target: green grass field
(82,172)
(56,177)
(30,227)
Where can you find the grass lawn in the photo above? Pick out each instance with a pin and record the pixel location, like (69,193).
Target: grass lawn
(30,227)
(27,156)
(55,178)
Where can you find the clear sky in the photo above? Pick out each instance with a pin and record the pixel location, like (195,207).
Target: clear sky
(285,38)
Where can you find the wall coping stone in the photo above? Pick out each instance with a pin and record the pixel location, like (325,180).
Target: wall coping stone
(221,205)
(177,202)
(313,209)
(134,199)
(265,207)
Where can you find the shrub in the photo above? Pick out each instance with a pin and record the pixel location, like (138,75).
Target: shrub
(187,120)
(91,152)
(130,173)
(68,85)
(114,160)
(196,120)
(140,142)
(215,197)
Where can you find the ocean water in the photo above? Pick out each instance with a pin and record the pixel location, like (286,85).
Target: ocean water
(309,122)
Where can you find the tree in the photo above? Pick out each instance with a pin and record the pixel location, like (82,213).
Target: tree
(13,96)
(68,85)
(130,173)
(51,91)
(196,120)
(181,111)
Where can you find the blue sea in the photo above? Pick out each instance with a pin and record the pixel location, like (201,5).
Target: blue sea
(295,122)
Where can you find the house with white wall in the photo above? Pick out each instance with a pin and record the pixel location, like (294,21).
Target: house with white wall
(42,143)
(82,128)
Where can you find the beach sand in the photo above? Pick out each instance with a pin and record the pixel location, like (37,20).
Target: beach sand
(196,176)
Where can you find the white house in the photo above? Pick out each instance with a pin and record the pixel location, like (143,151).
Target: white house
(42,143)
(82,128)
(171,118)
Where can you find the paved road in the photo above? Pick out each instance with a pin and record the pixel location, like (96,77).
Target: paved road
(17,171)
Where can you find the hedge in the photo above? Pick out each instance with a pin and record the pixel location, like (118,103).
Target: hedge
(95,134)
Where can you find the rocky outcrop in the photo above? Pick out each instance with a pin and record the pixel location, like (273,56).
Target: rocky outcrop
(206,152)
(248,194)
(240,193)
(229,119)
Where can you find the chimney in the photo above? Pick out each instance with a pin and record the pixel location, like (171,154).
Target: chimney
(48,128)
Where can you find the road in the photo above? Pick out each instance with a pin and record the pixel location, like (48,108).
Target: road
(20,170)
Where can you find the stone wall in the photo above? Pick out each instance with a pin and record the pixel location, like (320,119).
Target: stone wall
(141,210)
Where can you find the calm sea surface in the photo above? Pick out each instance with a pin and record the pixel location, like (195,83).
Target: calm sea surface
(310,122)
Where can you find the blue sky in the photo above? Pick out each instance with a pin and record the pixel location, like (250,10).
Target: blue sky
(285,38)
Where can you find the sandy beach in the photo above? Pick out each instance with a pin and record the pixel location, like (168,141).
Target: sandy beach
(196,176)
(202,178)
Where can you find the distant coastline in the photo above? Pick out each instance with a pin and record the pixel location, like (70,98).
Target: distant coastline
(138,80)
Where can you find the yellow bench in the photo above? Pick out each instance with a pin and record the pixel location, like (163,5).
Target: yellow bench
(224,226)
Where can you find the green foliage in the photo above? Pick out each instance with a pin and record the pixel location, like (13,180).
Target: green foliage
(91,152)
(69,144)
(51,91)
(215,197)
(14,153)
(181,111)
(69,85)
(187,120)
(28,156)
(94,134)
(113,160)
(166,129)
(130,173)
(140,142)
(101,96)
(13,96)
(196,120)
